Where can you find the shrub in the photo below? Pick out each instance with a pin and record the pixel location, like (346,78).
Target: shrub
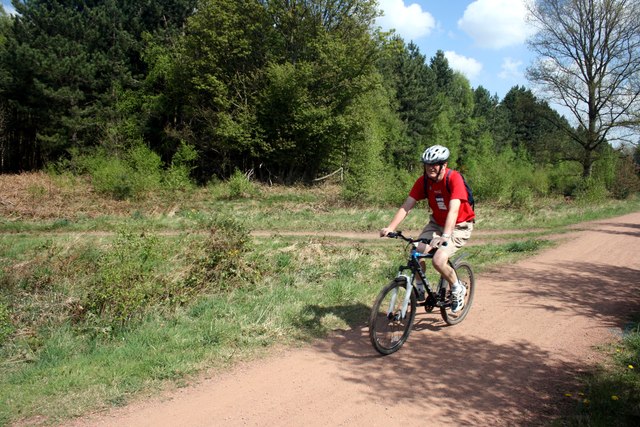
(219,262)
(240,186)
(522,198)
(564,178)
(111,176)
(124,176)
(591,190)
(393,187)
(626,181)
(178,176)
(146,167)
(126,279)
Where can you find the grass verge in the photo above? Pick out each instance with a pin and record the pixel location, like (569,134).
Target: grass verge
(610,396)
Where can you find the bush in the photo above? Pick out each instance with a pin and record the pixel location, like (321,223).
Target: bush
(626,181)
(591,190)
(112,177)
(219,263)
(564,178)
(178,176)
(126,279)
(125,176)
(522,198)
(240,186)
(393,187)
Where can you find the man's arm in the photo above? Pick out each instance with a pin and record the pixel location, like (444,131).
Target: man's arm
(399,216)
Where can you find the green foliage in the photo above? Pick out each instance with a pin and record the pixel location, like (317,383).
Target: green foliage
(178,176)
(75,86)
(220,265)
(127,279)
(627,179)
(522,198)
(287,90)
(591,191)
(367,135)
(240,186)
(564,177)
(504,176)
(130,176)
(393,185)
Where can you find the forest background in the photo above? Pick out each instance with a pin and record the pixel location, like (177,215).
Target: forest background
(143,95)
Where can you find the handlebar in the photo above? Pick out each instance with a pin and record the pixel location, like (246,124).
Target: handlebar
(399,235)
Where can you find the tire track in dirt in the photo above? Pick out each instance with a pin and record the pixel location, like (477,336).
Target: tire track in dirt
(531,332)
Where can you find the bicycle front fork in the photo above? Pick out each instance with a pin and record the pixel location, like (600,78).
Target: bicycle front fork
(407,296)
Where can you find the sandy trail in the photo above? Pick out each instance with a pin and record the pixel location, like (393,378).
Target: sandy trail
(530,333)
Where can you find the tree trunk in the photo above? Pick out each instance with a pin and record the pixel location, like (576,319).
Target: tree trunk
(587,163)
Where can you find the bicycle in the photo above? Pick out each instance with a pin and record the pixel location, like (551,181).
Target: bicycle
(395,307)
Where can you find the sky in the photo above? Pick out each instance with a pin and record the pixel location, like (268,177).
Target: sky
(7,6)
(483,39)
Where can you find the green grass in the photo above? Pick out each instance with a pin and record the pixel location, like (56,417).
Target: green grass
(610,396)
(59,359)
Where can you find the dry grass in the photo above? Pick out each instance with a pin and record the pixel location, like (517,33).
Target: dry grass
(36,195)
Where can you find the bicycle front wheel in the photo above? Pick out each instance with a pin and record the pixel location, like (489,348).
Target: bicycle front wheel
(389,328)
(465,275)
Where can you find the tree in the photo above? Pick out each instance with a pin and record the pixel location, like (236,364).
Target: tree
(532,122)
(410,78)
(71,66)
(589,62)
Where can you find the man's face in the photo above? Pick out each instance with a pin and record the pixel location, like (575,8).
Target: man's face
(434,171)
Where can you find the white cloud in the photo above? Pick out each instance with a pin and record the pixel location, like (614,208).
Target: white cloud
(510,69)
(496,24)
(409,21)
(467,66)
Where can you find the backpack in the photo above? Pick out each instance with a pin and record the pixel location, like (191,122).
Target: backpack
(446,183)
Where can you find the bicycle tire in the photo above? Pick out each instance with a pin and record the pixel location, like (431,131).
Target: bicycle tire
(387,330)
(465,275)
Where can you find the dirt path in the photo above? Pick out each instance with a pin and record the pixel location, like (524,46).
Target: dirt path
(531,331)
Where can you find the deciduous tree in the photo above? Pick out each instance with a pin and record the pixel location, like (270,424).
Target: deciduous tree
(589,63)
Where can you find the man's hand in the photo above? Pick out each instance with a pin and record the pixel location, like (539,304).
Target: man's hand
(438,241)
(385,231)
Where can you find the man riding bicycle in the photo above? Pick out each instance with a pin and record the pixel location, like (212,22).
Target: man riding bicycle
(451,221)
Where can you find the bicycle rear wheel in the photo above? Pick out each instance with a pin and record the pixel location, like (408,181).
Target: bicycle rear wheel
(465,275)
(388,328)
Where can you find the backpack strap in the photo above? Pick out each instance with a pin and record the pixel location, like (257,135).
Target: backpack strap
(446,181)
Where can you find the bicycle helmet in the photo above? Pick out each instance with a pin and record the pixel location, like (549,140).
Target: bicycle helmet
(435,154)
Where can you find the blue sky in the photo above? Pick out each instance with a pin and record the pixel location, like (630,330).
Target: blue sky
(7,6)
(483,39)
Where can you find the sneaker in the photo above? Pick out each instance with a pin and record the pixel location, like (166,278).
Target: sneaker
(458,293)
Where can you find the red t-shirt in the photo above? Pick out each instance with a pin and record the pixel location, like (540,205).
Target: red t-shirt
(439,197)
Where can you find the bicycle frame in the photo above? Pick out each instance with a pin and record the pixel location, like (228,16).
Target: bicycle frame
(413,264)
